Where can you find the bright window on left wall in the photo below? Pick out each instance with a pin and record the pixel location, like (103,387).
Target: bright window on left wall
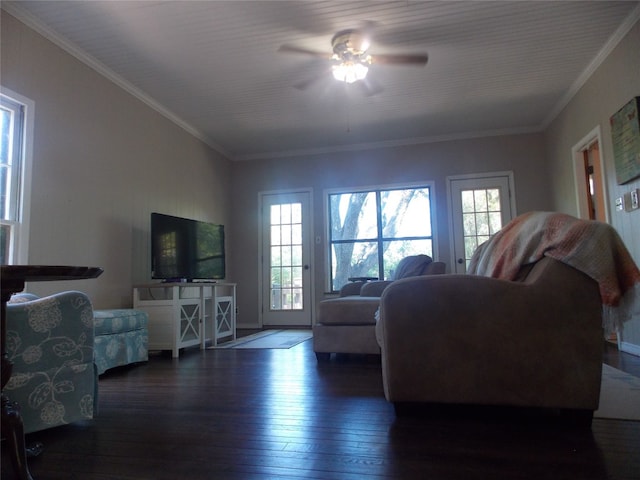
(16,131)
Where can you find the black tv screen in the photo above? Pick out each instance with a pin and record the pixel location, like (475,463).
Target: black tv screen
(186,250)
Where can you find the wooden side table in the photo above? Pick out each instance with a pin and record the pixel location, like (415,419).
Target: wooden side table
(13,279)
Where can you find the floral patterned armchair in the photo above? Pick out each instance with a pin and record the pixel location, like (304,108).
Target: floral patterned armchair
(50,342)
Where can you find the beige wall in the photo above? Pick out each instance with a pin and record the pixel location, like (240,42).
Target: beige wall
(103,161)
(522,154)
(614,83)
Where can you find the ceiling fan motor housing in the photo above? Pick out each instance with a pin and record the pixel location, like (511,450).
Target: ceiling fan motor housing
(349,45)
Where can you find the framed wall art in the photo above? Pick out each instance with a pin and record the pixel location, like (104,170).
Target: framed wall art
(625,133)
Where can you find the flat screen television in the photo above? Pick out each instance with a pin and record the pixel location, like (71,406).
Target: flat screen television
(186,250)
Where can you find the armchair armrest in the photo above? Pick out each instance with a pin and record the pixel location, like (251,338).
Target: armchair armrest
(49,331)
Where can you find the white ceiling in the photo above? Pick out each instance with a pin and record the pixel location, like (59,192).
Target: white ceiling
(213,67)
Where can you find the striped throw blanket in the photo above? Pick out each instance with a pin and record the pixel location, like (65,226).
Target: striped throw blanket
(592,247)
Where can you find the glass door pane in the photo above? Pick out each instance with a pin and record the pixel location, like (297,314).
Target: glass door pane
(286,257)
(481,218)
(480,206)
(286,252)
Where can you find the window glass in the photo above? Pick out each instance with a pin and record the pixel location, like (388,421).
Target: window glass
(11,157)
(353,215)
(481,218)
(396,250)
(371,231)
(406,213)
(286,257)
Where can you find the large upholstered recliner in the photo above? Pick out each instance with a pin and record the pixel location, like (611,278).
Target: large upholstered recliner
(531,338)
(347,324)
(50,342)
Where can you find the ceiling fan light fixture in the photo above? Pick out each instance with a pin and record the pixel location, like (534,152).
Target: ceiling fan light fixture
(350,61)
(350,72)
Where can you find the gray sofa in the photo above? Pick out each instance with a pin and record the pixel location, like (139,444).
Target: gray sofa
(347,324)
(525,329)
(465,339)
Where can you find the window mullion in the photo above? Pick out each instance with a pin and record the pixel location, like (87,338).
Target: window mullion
(402,239)
(380,234)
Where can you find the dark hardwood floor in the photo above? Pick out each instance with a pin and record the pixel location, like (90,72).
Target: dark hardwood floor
(620,360)
(262,414)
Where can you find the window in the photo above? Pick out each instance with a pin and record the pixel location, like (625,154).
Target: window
(15,128)
(371,231)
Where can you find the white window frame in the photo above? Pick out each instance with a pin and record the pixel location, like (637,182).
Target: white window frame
(396,186)
(19,251)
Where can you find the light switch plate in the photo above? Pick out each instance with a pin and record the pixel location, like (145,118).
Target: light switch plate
(619,204)
(631,201)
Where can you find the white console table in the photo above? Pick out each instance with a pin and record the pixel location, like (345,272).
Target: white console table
(187,314)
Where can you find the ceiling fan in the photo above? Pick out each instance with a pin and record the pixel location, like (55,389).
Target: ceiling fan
(350,60)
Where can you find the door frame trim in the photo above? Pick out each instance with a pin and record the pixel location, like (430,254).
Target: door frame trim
(475,176)
(311,263)
(579,177)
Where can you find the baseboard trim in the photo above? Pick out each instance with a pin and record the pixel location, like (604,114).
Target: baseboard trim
(630,348)
(248,326)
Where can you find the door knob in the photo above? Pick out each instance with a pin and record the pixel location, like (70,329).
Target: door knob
(460,261)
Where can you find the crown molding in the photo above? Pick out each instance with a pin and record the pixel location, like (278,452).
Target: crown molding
(604,52)
(30,21)
(389,144)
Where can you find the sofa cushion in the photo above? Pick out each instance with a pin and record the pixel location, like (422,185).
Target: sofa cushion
(118,320)
(412,266)
(354,310)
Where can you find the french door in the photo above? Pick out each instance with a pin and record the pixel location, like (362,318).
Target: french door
(479,206)
(286,256)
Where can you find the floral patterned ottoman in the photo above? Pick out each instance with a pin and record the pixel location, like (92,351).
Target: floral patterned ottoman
(121,338)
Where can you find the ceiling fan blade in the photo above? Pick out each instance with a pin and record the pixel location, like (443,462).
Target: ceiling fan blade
(306,83)
(409,59)
(292,49)
(312,79)
(369,27)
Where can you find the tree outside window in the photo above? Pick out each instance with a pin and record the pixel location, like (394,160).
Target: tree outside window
(371,231)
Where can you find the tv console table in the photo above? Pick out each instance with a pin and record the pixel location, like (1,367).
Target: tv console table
(185,314)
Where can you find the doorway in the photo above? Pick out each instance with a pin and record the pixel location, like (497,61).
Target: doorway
(286,259)
(589,178)
(590,184)
(479,206)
